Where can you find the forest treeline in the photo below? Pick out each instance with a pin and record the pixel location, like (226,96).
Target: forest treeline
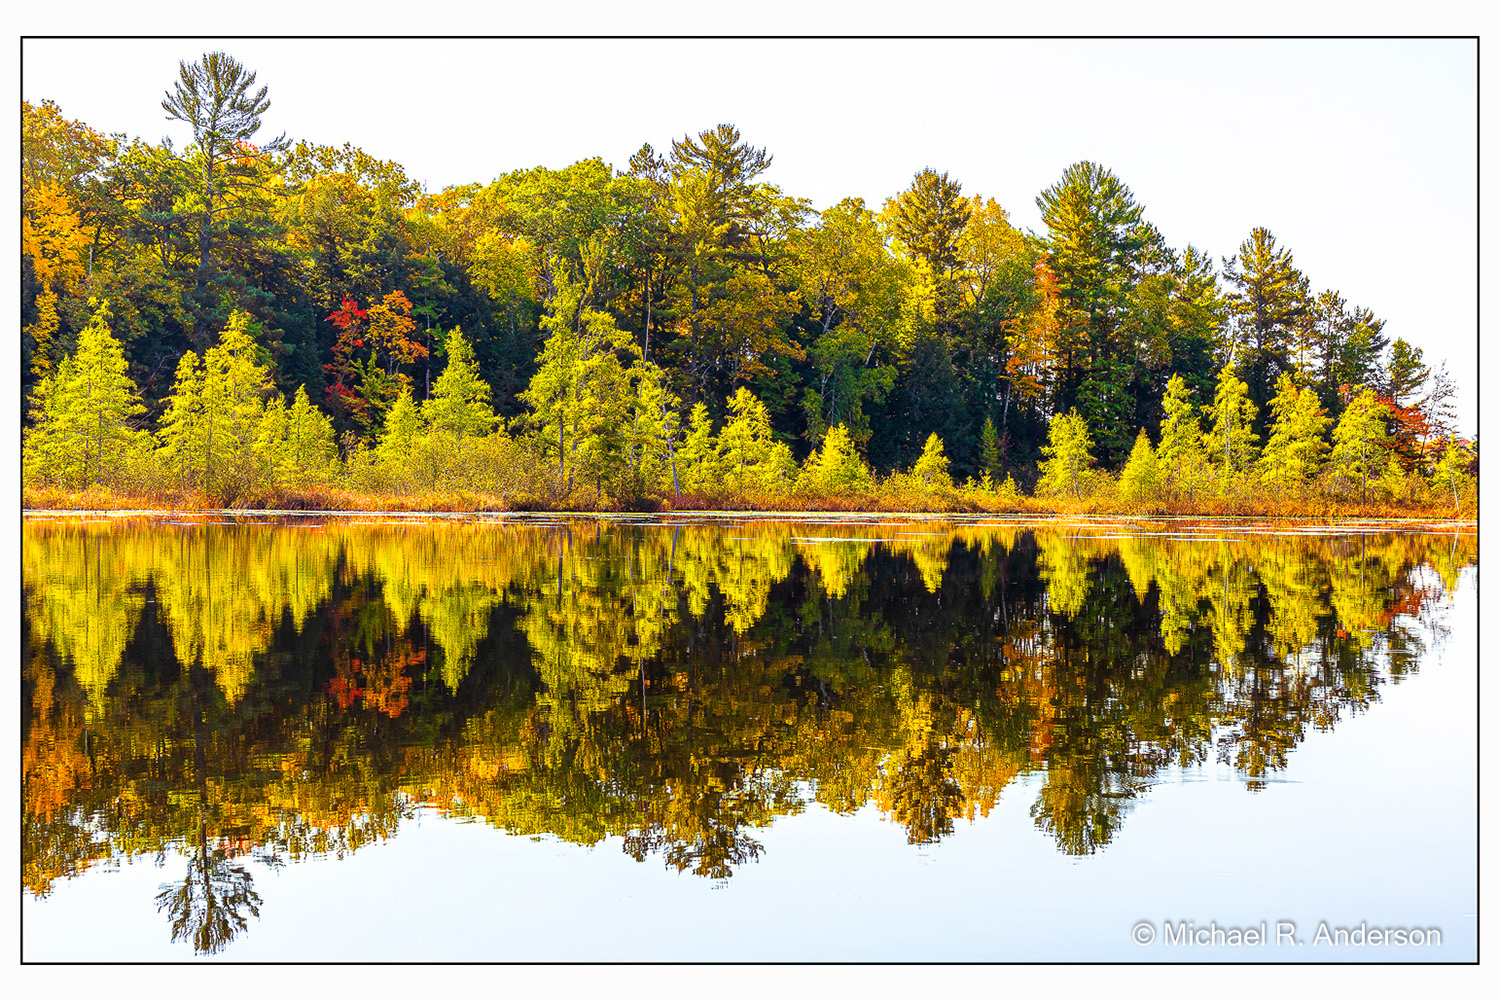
(258,321)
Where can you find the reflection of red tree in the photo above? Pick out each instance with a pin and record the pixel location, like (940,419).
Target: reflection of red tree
(386,679)
(387,682)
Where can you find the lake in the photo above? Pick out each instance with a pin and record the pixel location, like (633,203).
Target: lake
(830,738)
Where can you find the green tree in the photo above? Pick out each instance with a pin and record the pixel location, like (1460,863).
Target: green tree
(835,468)
(928,218)
(657,428)
(1270,300)
(1140,478)
(1295,449)
(745,443)
(1230,441)
(85,411)
(699,456)
(1405,374)
(1450,473)
(460,402)
(1094,237)
(989,451)
(210,430)
(1065,466)
(309,455)
(214,98)
(1181,462)
(1360,451)
(403,427)
(932,466)
(581,396)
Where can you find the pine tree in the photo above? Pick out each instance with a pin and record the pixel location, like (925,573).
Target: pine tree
(403,426)
(989,450)
(1067,459)
(460,402)
(1296,448)
(932,467)
(1359,443)
(1180,460)
(835,468)
(85,411)
(1138,480)
(1230,442)
(1269,303)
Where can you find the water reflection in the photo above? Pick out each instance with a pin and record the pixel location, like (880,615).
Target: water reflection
(258,692)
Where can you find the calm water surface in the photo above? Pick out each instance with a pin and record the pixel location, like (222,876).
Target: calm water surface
(382,738)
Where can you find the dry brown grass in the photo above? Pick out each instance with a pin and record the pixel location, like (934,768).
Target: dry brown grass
(956,501)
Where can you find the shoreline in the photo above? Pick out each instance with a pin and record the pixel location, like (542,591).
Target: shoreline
(1101,518)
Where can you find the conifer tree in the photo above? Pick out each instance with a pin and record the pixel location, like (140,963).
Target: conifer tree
(700,455)
(1180,461)
(1066,456)
(989,450)
(1295,449)
(1138,480)
(403,426)
(932,466)
(85,410)
(1230,441)
(1449,475)
(656,430)
(311,453)
(745,442)
(1359,443)
(835,467)
(460,402)
(210,431)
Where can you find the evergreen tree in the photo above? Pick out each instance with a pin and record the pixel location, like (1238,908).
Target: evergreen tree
(311,454)
(1270,302)
(835,467)
(1295,450)
(699,456)
(214,98)
(1230,442)
(403,426)
(932,467)
(460,402)
(210,431)
(1139,478)
(745,442)
(656,429)
(989,451)
(85,411)
(1065,469)
(1360,453)
(1405,374)
(1180,459)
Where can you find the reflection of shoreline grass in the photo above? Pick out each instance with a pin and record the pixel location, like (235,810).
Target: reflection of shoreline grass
(954,501)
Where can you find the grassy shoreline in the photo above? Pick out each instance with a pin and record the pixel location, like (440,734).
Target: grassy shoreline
(35,500)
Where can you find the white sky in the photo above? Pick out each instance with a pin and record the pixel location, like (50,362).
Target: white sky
(1359,155)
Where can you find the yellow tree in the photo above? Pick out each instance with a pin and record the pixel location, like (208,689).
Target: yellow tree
(84,411)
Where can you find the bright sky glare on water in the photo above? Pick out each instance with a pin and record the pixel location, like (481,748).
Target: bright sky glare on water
(1358,155)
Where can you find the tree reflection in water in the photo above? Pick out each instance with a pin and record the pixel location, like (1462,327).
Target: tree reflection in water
(281,691)
(210,905)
